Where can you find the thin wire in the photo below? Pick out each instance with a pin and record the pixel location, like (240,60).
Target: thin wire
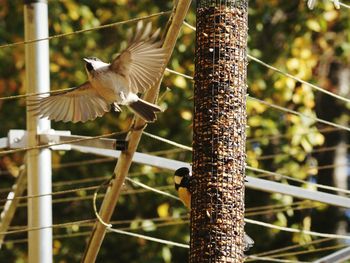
(260,210)
(250,258)
(274,211)
(89,197)
(189,26)
(87,30)
(175,222)
(89,180)
(86,233)
(299,79)
(289,75)
(274,260)
(158,240)
(334,125)
(295,253)
(266,207)
(62,143)
(25,240)
(63,200)
(152,189)
(82,163)
(179,73)
(34,94)
(277,136)
(110,229)
(178,145)
(129,221)
(318,168)
(109,159)
(317,241)
(26,229)
(68,89)
(187,148)
(166,152)
(277,175)
(319,150)
(294,230)
(80,181)
(330,166)
(52,193)
(342,127)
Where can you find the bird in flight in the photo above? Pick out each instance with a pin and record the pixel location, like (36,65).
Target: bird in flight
(133,71)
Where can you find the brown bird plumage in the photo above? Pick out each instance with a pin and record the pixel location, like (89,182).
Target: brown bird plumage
(133,71)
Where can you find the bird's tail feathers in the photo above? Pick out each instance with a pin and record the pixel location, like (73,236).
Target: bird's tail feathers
(145,110)
(248,242)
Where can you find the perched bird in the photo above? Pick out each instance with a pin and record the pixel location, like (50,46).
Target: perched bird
(182,179)
(133,71)
(311,4)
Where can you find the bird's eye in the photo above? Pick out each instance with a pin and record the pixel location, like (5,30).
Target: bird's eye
(89,66)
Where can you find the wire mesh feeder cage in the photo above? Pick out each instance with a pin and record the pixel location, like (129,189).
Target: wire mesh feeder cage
(217,216)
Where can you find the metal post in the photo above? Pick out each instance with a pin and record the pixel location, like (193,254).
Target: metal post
(217,209)
(38,161)
(336,257)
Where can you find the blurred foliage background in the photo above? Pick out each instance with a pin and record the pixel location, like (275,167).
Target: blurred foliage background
(313,45)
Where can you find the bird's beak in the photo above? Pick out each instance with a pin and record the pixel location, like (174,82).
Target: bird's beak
(86,60)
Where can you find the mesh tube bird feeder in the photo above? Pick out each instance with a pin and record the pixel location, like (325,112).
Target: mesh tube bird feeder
(217,214)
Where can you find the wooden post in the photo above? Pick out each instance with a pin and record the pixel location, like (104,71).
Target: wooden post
(217,214)
(124,162)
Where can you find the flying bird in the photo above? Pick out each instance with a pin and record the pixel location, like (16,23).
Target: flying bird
(182,180)
(311,4)
(133,71)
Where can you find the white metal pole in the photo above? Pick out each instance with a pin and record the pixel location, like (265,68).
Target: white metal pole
(38,161)
(336,257)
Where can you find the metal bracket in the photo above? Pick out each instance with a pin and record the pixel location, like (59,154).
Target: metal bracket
(18,139)
(4,142)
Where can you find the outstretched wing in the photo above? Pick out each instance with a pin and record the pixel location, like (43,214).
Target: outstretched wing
(142,61)
(79,104)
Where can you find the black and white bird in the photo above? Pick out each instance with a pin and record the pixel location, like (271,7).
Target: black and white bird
(133,71)
(182,180)
(311,4)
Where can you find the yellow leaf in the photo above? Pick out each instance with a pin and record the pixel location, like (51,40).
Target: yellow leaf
(163,210)
(54,67)
(305,53)
(330,15)
(56,247)
(180,82)
(186,115)
(293,64)
(313,25)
